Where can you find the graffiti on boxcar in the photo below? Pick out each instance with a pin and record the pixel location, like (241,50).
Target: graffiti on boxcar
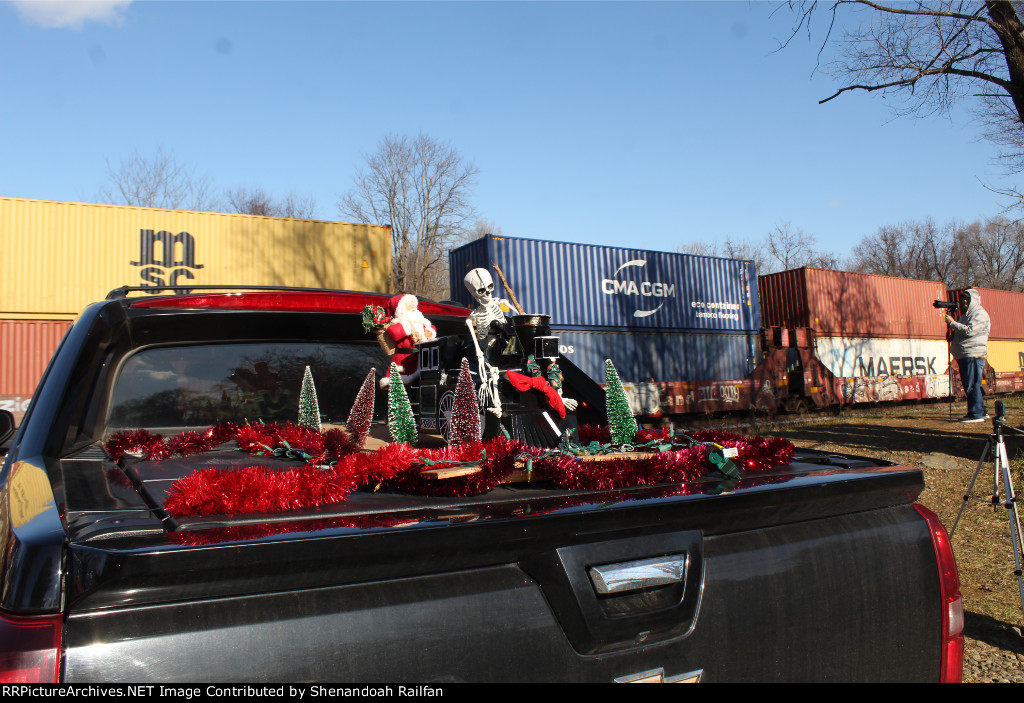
(936,386)
(867,390)
(730,394)
(643,398)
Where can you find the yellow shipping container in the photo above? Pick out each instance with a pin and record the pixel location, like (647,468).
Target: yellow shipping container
(58,257)
(1006,356)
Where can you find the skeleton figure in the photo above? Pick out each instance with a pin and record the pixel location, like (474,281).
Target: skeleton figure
(486,324)
(489,310)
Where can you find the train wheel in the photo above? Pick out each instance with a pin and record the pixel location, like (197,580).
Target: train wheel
(444,414)
(446,407)
(796,406)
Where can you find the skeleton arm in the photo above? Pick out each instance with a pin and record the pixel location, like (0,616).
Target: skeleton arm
(488,391)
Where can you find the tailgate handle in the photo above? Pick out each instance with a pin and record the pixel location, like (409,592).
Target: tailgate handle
(633,575)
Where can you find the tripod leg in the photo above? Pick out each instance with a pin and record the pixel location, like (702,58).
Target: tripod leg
(999,454)
(970,488)
(1011,506)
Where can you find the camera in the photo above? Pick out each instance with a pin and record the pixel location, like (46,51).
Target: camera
(945,304)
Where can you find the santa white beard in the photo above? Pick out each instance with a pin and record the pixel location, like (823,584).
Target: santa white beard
(414,323)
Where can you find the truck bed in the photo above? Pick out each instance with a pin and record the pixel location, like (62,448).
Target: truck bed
(394,587)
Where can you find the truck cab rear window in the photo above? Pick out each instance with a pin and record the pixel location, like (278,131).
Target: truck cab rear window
(201,385)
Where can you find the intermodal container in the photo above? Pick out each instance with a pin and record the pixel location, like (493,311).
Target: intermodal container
(589,287)
(27,347)
(844,304)
(859,357)
(59,257)
(1006,310)
(661,356)
(1006,356)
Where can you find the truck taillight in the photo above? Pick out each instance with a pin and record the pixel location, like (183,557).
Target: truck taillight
(952,667)
(30,648)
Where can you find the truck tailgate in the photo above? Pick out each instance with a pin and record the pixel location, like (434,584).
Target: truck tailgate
(811,573)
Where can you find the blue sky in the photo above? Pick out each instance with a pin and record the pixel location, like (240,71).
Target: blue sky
(632,124)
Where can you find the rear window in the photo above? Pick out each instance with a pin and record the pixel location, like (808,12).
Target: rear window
(201,385)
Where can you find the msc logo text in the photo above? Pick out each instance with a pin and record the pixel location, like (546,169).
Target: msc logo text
(166,257)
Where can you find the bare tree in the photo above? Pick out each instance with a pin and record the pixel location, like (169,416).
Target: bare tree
(160,181)
(485,226)
(784,247)
(932,55)
(256,201)
(911,249)
(420,187)
(698,248)
(996,254)
(787,248)
(988,254)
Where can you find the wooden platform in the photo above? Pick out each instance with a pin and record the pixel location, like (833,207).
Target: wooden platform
(380,436)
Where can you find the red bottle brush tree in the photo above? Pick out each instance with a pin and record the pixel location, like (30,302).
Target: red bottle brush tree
(465,421)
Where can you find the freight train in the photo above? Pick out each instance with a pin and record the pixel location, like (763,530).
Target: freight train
(696,334)
(688,334)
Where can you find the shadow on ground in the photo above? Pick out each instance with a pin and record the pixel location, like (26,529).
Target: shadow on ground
(924,433)
(993,632)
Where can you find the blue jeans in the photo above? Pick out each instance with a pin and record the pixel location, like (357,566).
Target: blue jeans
(971,370)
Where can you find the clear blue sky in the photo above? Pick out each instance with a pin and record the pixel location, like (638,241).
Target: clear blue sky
(622,123)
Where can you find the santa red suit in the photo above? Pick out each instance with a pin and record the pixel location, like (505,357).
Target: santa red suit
(408,327)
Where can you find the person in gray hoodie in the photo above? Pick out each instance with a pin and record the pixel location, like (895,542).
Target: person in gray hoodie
(969,346)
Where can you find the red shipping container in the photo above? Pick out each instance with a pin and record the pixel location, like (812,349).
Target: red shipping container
(27,346)
(1006,309)
(844,304)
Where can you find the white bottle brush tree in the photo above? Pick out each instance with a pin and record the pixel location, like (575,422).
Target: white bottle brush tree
(309,407)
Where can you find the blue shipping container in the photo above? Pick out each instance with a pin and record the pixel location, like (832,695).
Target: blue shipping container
(662,356)
(583,286)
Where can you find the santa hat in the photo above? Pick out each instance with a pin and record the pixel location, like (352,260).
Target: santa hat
(396,303)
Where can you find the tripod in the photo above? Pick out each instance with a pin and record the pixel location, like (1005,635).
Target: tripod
(996,447)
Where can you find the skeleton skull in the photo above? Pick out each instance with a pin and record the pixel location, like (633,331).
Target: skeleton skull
(480,285)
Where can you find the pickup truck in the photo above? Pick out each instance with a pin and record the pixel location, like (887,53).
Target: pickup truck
(821,569)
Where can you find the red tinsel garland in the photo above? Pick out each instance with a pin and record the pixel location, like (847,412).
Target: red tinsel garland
(399,466)
(334,466)
(254,489)
(258,439)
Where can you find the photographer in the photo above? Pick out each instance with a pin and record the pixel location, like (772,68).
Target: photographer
(969,346)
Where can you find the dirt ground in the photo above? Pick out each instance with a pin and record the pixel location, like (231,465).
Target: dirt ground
(948,452)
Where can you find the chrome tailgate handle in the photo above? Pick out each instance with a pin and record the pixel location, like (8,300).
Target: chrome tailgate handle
(633,575)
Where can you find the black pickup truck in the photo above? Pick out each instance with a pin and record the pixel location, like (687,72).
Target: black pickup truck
(821,569)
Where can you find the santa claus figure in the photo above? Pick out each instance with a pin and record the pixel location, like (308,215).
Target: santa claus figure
(407,328)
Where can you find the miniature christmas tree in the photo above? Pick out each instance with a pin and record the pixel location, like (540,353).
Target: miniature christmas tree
(309,408)
(361,414)
(401,423)
(465,420)
(621,422)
